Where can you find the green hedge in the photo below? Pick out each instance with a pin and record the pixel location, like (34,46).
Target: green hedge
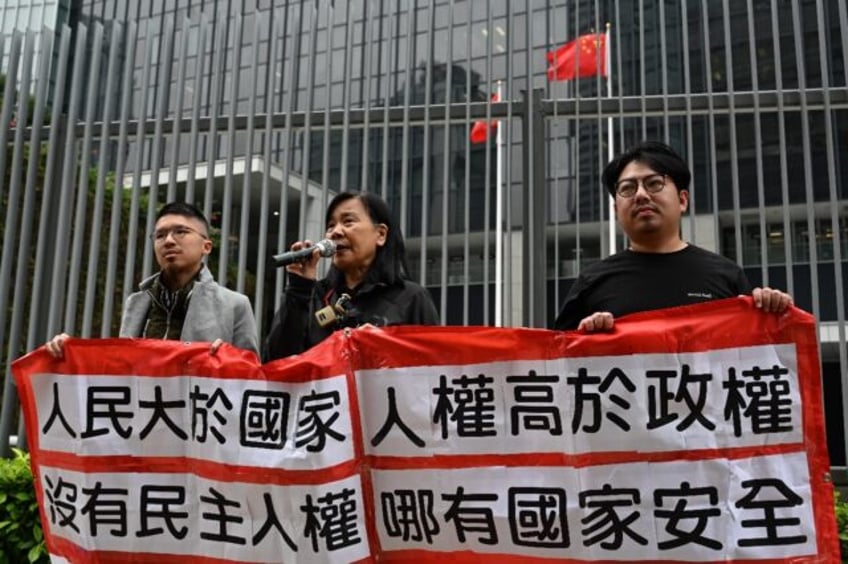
(841,508)
(20,528)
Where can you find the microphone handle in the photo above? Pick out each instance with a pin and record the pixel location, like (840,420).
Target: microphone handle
(291,257)
(325,248)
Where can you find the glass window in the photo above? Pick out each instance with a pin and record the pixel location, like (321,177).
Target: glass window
(776,243)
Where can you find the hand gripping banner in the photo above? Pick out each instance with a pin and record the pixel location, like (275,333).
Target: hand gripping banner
(685,435)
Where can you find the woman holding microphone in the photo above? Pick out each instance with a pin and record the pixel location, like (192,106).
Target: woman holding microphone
(368,282)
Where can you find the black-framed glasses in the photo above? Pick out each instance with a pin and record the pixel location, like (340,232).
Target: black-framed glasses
(178,232)
(628,187)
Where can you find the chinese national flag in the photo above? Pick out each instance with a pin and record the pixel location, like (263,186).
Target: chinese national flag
(480,129)
(585,56)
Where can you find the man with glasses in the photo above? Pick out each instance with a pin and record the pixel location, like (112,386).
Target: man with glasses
(650,184)
(182,301)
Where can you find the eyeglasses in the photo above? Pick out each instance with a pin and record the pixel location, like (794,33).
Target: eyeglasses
(628,187)
(178,232)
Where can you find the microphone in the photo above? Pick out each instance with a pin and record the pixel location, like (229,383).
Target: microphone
(325,247)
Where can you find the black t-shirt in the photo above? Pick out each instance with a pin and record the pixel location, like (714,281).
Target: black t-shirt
(628,282)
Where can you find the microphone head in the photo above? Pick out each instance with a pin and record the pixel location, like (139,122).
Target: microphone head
(326,247)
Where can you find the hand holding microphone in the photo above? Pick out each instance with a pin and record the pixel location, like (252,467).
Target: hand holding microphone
(302,259)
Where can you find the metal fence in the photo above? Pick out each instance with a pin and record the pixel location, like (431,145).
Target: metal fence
(260,117)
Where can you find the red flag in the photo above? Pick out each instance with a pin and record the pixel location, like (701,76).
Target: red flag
(480,129)
(565,64)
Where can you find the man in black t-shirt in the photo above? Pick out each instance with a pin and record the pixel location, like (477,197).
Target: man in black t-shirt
(650,184)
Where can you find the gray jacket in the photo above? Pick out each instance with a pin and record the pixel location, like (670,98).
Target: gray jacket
(214,312)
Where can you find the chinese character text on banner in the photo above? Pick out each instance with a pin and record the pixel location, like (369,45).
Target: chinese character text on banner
(676,437)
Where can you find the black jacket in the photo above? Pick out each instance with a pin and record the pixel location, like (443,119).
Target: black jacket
(295,328)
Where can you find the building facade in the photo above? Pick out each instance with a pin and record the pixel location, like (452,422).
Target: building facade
(261,112)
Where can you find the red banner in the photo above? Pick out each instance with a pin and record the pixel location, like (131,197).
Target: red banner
(685,435)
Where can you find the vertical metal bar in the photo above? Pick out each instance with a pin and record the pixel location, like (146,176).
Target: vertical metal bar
(61,234)
(603,195)
(407,94)
(295,30)
(394,16)
(534,266)
(843,32)
(197,96)
(425,181)
(347,97)
(132,232)
(506,135)
(808,159)
(708,73)
(2,54)
(40,292)
(9,101)
(367,54)
(264,206)
(327,134)
(156,151)
(664,72)
(10,397)
(575,162)
(620,75)
(100,187)
(487,174)
(248,160)
(555,140)
(687,97)
(120,166)
(227,205)
(535,248)
(731,119)
(466,219)
(307,126)
(15,93)
(642,85)
(179,107)
(781,135)
(758,143)
(443,294)
(833,206)
(21,294)
(124,13)
(82,185)
(216,89)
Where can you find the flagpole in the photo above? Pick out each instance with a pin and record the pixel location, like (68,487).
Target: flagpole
(499,220)
(610,151)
